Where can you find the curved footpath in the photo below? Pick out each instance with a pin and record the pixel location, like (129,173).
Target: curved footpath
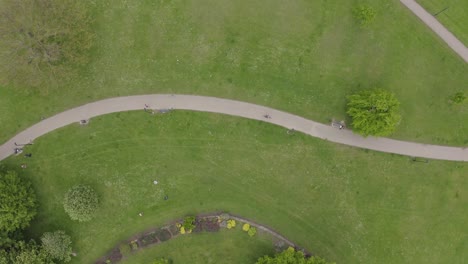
(455,44)
(234,108)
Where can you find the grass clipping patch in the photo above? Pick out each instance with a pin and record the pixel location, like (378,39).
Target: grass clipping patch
(41,41)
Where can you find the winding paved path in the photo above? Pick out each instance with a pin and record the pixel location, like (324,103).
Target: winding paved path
(234,108)
(428,19)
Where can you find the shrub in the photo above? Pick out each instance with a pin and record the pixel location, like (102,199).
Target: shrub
(161,261)
(364,14)
(134,245)
(246,227)
(458,98)
(125,249)
(189,223)
(22,253)
(57,245)
(252,231)
(182,230)
(290,255)
(231,223)
(17,203)
(81,203)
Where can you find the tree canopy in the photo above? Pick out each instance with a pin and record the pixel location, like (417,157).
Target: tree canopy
(81,203)
(42,40)
(374,112)
(57,245)
(291,256)
(18,203)
(23,253)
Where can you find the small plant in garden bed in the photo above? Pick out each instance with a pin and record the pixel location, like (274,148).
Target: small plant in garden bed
(231,223)
(134,245)
(249,229)
(223,217)
(125,249)
(252,231)
(188,225)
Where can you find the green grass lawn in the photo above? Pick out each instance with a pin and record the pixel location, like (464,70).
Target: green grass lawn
(455,17)
(345,204)
(304,57)
(233,246)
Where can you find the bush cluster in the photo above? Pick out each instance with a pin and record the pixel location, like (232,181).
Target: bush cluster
(81,203)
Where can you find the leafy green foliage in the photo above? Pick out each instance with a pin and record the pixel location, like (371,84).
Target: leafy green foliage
(458,98)
(252,231)
(246,227)
(25,253)
(374,112)
(134,245)
(231,223)
(364,14)
(189,223)
(57,245)
(17,203)
(125,249)
(41,41)
(81,203)
(162,261)
(290,256)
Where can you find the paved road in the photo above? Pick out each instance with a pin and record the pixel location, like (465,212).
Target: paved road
(438,28)
(234,108)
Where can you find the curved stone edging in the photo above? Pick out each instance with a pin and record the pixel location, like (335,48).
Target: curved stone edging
(234,108)
(115,256)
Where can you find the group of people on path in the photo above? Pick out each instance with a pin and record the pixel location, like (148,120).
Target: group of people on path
(19,150)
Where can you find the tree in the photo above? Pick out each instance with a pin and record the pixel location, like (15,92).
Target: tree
(42,40)
(291,256)
(57,245)
(81,203)
(364,14)
(17,204)
(374,112)
(25,253)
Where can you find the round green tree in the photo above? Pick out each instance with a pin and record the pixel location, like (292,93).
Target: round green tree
(374,112)
(81,203)
(17,203)
(57,245)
